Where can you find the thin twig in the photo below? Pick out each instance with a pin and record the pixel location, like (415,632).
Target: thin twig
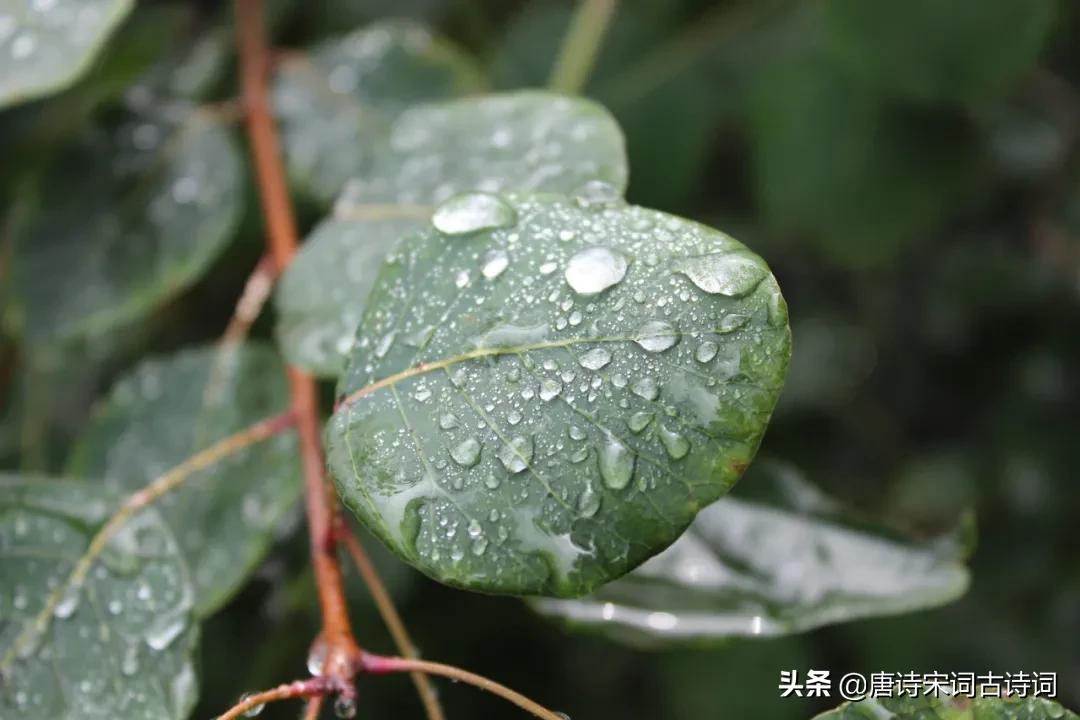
(249,306)
(581,45)
(164,484)
(310,688)
(377,665)
(391,618)
(313,708)
(342,649)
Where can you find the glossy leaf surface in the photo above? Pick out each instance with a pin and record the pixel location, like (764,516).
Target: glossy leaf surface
(552,387)
(47,45)
(514,141)
(119,644)
(774,557)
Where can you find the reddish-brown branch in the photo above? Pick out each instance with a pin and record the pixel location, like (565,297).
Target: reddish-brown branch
(342,650)
(311,688)
(313,708)
(377,665)
(256,291)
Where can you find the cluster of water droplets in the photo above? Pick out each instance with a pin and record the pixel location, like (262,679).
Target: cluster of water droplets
(610,345)
(44,34)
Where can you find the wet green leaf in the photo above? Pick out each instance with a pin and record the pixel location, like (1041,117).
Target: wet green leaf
(556,385)
(156,201)
(167,410)
(46,45)
(775,557)
(950,708)
(513,141)
(940,51)
(117,646)
(336,105)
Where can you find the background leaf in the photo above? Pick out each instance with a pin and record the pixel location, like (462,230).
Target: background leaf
(119,645)
(168,409)
(158,201)
(956,708)
(561,384)
(513,141)
(336,105)
(774,557)
(46,46)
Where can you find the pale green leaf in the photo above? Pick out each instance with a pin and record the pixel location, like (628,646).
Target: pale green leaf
(335,106)
(155,201)
(165,411)
(554,389)
(513,141)
(774,557)
(46,45)
(118,645)
(950,708)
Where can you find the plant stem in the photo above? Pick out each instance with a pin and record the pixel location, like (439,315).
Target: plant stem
(312,688)
(313,708)
(256,291)
(377,664)
(580,46)
(391,618)
(342,649)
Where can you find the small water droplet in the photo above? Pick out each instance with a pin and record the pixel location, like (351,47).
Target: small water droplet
(595,269)
(494,264)
(345,708)
(595,359)
(479,546)
(706,351)
(657,336)
(732,274)
(448,421)
(466,453)
(316,658)
(645,388)
(549,389)
(254,709)
(517,454)
(165,631)
(576,433)
(588,502)
(675,444)
(639,421)
(616,463)
(473,212)
(69,602)
(596,194)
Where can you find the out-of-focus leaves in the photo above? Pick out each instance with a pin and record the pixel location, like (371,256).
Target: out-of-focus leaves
(863,178)
(46,45)
(167,410)
(154,201)
(775,557)
(336,105)
(928,50)
(950,708)
(513,141)
(556,386)
(834,357)
(119,643)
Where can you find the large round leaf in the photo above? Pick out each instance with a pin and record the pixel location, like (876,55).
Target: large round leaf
(153,204)
(116,645)
(775,557)
(514,141)
(545,390)
(335,105)
(46,46)
(168,409)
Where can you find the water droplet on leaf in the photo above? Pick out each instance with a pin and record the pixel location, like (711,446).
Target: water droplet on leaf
(472,212)
(595,269)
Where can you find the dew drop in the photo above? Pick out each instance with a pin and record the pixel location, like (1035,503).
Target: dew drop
(596,194)
(732,274)
(576,433)
(639,421)
(595,359)
(467,453)
(494,264)
(588,502)
(517,454)
(550,389)
(472,212)
(657,336)
(345,708)
(616,464)
(165,632)
(69,602)
(448,421)
(706,351)
(316,658)
(513,417)
(675,444)
(254,709)
(479,545)
(595,269)
(645,388)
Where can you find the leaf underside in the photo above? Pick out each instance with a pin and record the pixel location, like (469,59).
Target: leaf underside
(773,558)
(534,141)
(557,397)
(118,646)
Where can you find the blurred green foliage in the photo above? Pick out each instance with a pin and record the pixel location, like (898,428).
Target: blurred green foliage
(908,169)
